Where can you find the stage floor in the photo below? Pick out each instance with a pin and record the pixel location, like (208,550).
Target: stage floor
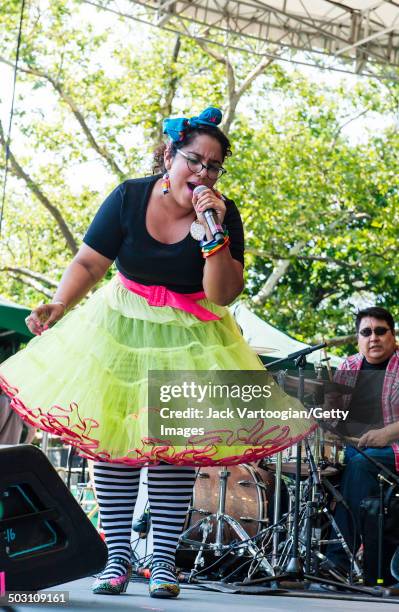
(193,599)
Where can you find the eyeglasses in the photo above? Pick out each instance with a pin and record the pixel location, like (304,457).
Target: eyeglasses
(379,331)
(195,165)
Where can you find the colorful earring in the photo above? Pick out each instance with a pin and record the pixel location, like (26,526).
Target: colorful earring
(165,183)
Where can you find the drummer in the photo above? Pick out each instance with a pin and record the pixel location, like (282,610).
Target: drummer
(373,418)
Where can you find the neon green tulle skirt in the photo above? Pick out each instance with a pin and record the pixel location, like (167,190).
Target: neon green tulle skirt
(86,379)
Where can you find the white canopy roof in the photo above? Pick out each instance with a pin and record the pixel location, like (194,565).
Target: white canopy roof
(269,340)
(365,32)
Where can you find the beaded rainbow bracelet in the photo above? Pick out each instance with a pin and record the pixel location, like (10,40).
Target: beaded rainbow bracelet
(213,246)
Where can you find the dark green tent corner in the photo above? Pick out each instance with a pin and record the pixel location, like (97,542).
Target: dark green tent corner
(13,330)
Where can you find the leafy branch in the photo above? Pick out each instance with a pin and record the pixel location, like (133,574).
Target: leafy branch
(101,150)
(43,199)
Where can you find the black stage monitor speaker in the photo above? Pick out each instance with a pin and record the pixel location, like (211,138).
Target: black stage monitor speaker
(45,537)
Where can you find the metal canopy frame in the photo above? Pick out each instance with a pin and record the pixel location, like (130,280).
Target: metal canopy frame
(363,34)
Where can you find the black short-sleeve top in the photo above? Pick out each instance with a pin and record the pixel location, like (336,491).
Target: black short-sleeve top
(118,231)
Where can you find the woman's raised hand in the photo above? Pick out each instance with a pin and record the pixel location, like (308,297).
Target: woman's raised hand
(42,317)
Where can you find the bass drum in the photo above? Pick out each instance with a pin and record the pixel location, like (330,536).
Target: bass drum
(246,501)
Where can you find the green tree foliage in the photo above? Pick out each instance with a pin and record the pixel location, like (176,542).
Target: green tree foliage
(309,187)
(320,211)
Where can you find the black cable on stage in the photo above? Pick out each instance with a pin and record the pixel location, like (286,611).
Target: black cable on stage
(8,139)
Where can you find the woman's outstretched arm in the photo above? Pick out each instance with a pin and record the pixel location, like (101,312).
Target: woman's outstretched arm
(86,269)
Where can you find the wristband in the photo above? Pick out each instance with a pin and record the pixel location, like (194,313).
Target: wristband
(59,302)
(215,246)
(208,245)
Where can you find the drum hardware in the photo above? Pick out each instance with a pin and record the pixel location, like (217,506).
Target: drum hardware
(313,497)
(199,561)
(268,540)
(221,519)
(312,500)
(314,504)
(277,510)
(320,561)
(314,388)
(241,500)
(317,449)
(200,511)
(299,357)
(303,516)
(317,502)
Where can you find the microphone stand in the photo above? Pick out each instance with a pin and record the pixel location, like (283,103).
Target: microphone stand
(294,569)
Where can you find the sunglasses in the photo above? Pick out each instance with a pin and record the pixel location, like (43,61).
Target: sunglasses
(379,331)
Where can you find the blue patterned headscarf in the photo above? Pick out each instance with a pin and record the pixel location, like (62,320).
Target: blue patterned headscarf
(177,128)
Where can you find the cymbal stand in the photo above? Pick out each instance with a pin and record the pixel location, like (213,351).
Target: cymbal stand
(312,500)
(277,528)
(222,519)
(317,502)
(276,511)
(313,503)
(308,547)
(294,567)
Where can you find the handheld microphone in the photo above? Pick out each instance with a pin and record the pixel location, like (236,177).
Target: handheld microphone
(211,217)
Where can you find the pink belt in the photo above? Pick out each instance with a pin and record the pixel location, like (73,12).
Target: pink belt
(157,295)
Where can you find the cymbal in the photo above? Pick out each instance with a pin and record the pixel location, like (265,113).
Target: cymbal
(334,387)
(314,385)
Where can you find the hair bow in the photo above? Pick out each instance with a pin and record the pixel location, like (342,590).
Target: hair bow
(176,128)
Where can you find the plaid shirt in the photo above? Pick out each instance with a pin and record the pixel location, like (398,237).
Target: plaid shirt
(347,374)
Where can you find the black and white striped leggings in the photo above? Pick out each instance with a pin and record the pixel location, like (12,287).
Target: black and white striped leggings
(169,493)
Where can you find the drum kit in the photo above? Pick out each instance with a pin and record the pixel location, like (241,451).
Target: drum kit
(245,513)
(262,521)
(268,523)
(271,520)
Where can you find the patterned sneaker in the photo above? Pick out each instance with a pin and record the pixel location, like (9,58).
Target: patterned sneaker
(163,581)
(105,584)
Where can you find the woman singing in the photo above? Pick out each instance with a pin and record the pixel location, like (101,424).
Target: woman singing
(85,376)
